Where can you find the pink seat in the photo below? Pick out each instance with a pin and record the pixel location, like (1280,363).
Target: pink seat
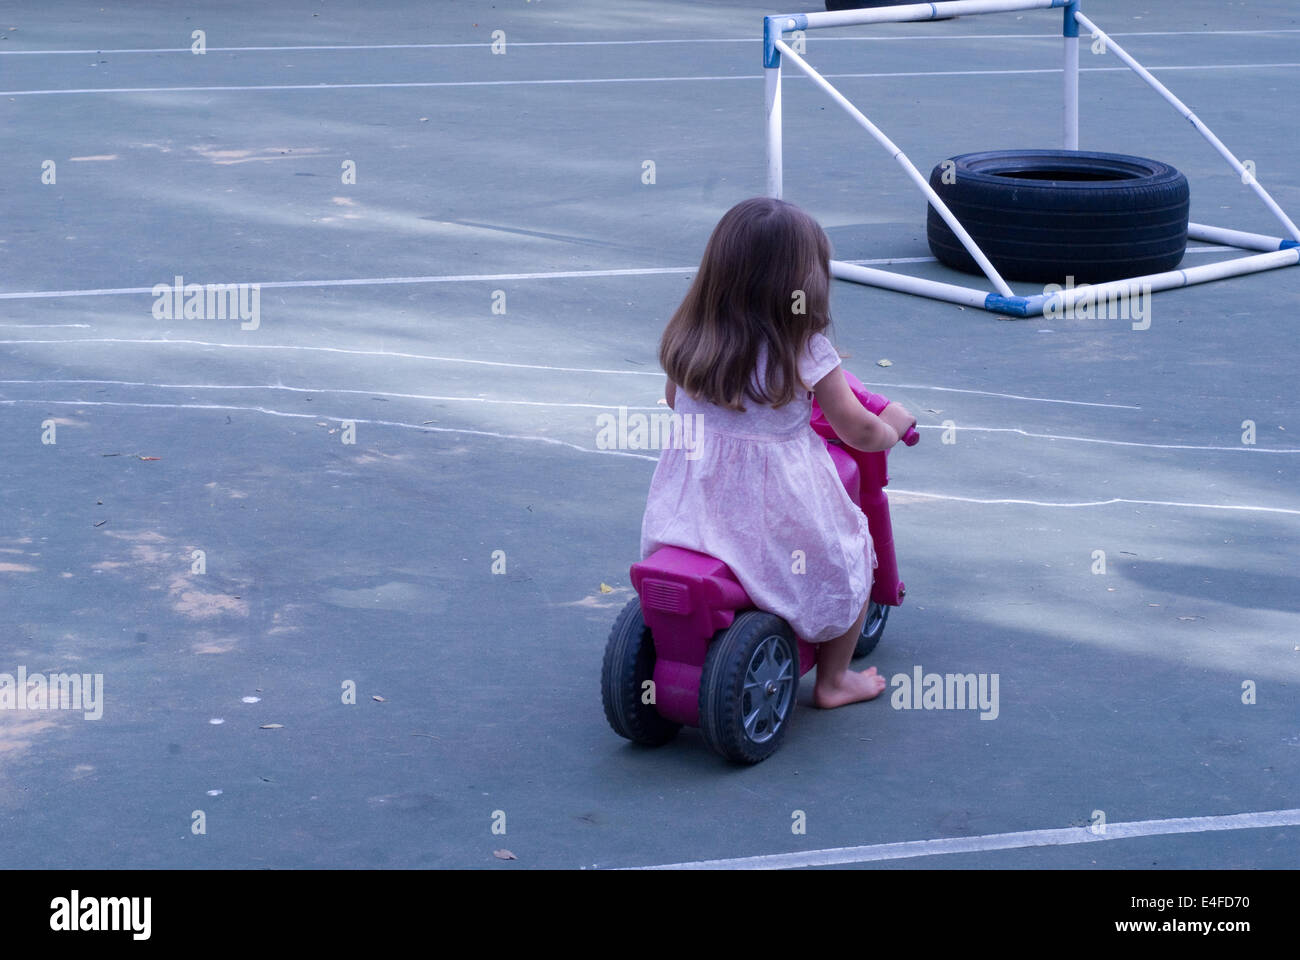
(686,598)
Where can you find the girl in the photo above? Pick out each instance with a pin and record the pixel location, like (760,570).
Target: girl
(746,348)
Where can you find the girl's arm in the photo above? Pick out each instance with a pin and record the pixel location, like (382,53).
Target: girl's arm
(854,424)
(898,417)
(670,394)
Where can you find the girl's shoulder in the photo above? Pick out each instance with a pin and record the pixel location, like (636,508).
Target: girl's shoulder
(819,358)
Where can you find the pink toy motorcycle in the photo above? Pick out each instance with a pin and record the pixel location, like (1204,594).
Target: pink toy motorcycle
(691,648)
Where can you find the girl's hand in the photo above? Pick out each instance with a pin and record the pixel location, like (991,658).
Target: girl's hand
(898,417)
(853,423)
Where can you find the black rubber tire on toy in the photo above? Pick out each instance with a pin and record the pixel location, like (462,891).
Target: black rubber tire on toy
(629,663)
(1045,215)
(872,629)
(748,687)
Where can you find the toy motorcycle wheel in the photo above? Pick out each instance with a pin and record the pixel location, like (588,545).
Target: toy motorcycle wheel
(747,689)
(872,629)
(629,663)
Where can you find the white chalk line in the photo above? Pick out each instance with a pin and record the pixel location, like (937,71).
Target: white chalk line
(490,363)
(443,278)
(327,390)
(377,281)
(623,453)
(487,44)
(437,278)
(342,350)
(320,416)
(1249,508)
(1242,448)
(995,841)
(989,393)
(561,81)
(615,406)
(590,406)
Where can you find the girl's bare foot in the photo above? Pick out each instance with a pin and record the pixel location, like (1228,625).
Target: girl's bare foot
(853,687)
(836,683)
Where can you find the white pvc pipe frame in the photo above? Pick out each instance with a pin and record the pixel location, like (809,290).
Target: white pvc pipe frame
(1278,251)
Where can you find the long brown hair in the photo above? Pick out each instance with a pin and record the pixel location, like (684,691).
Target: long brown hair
(765,260)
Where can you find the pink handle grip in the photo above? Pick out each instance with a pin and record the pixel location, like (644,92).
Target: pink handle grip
(876,404)
(872,401)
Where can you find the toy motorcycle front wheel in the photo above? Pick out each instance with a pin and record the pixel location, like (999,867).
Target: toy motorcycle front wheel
(872,629)
(747,689)
(629,663)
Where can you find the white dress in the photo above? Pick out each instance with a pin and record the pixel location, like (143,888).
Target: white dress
(759,492)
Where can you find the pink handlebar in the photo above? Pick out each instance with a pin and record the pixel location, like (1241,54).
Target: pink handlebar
(872,401)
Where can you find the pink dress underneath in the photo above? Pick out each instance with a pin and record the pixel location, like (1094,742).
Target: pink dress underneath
(762,496)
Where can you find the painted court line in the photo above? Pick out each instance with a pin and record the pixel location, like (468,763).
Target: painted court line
(436,278)
(1115,443)
(485,44)
(315,416)
(415,396)
(619,453)
(325,390)
(990,393)
(493,363)
(611,406)
(560,81)
(995,841)
(1248,508)
(440,398)
(376,281)
(344,350)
